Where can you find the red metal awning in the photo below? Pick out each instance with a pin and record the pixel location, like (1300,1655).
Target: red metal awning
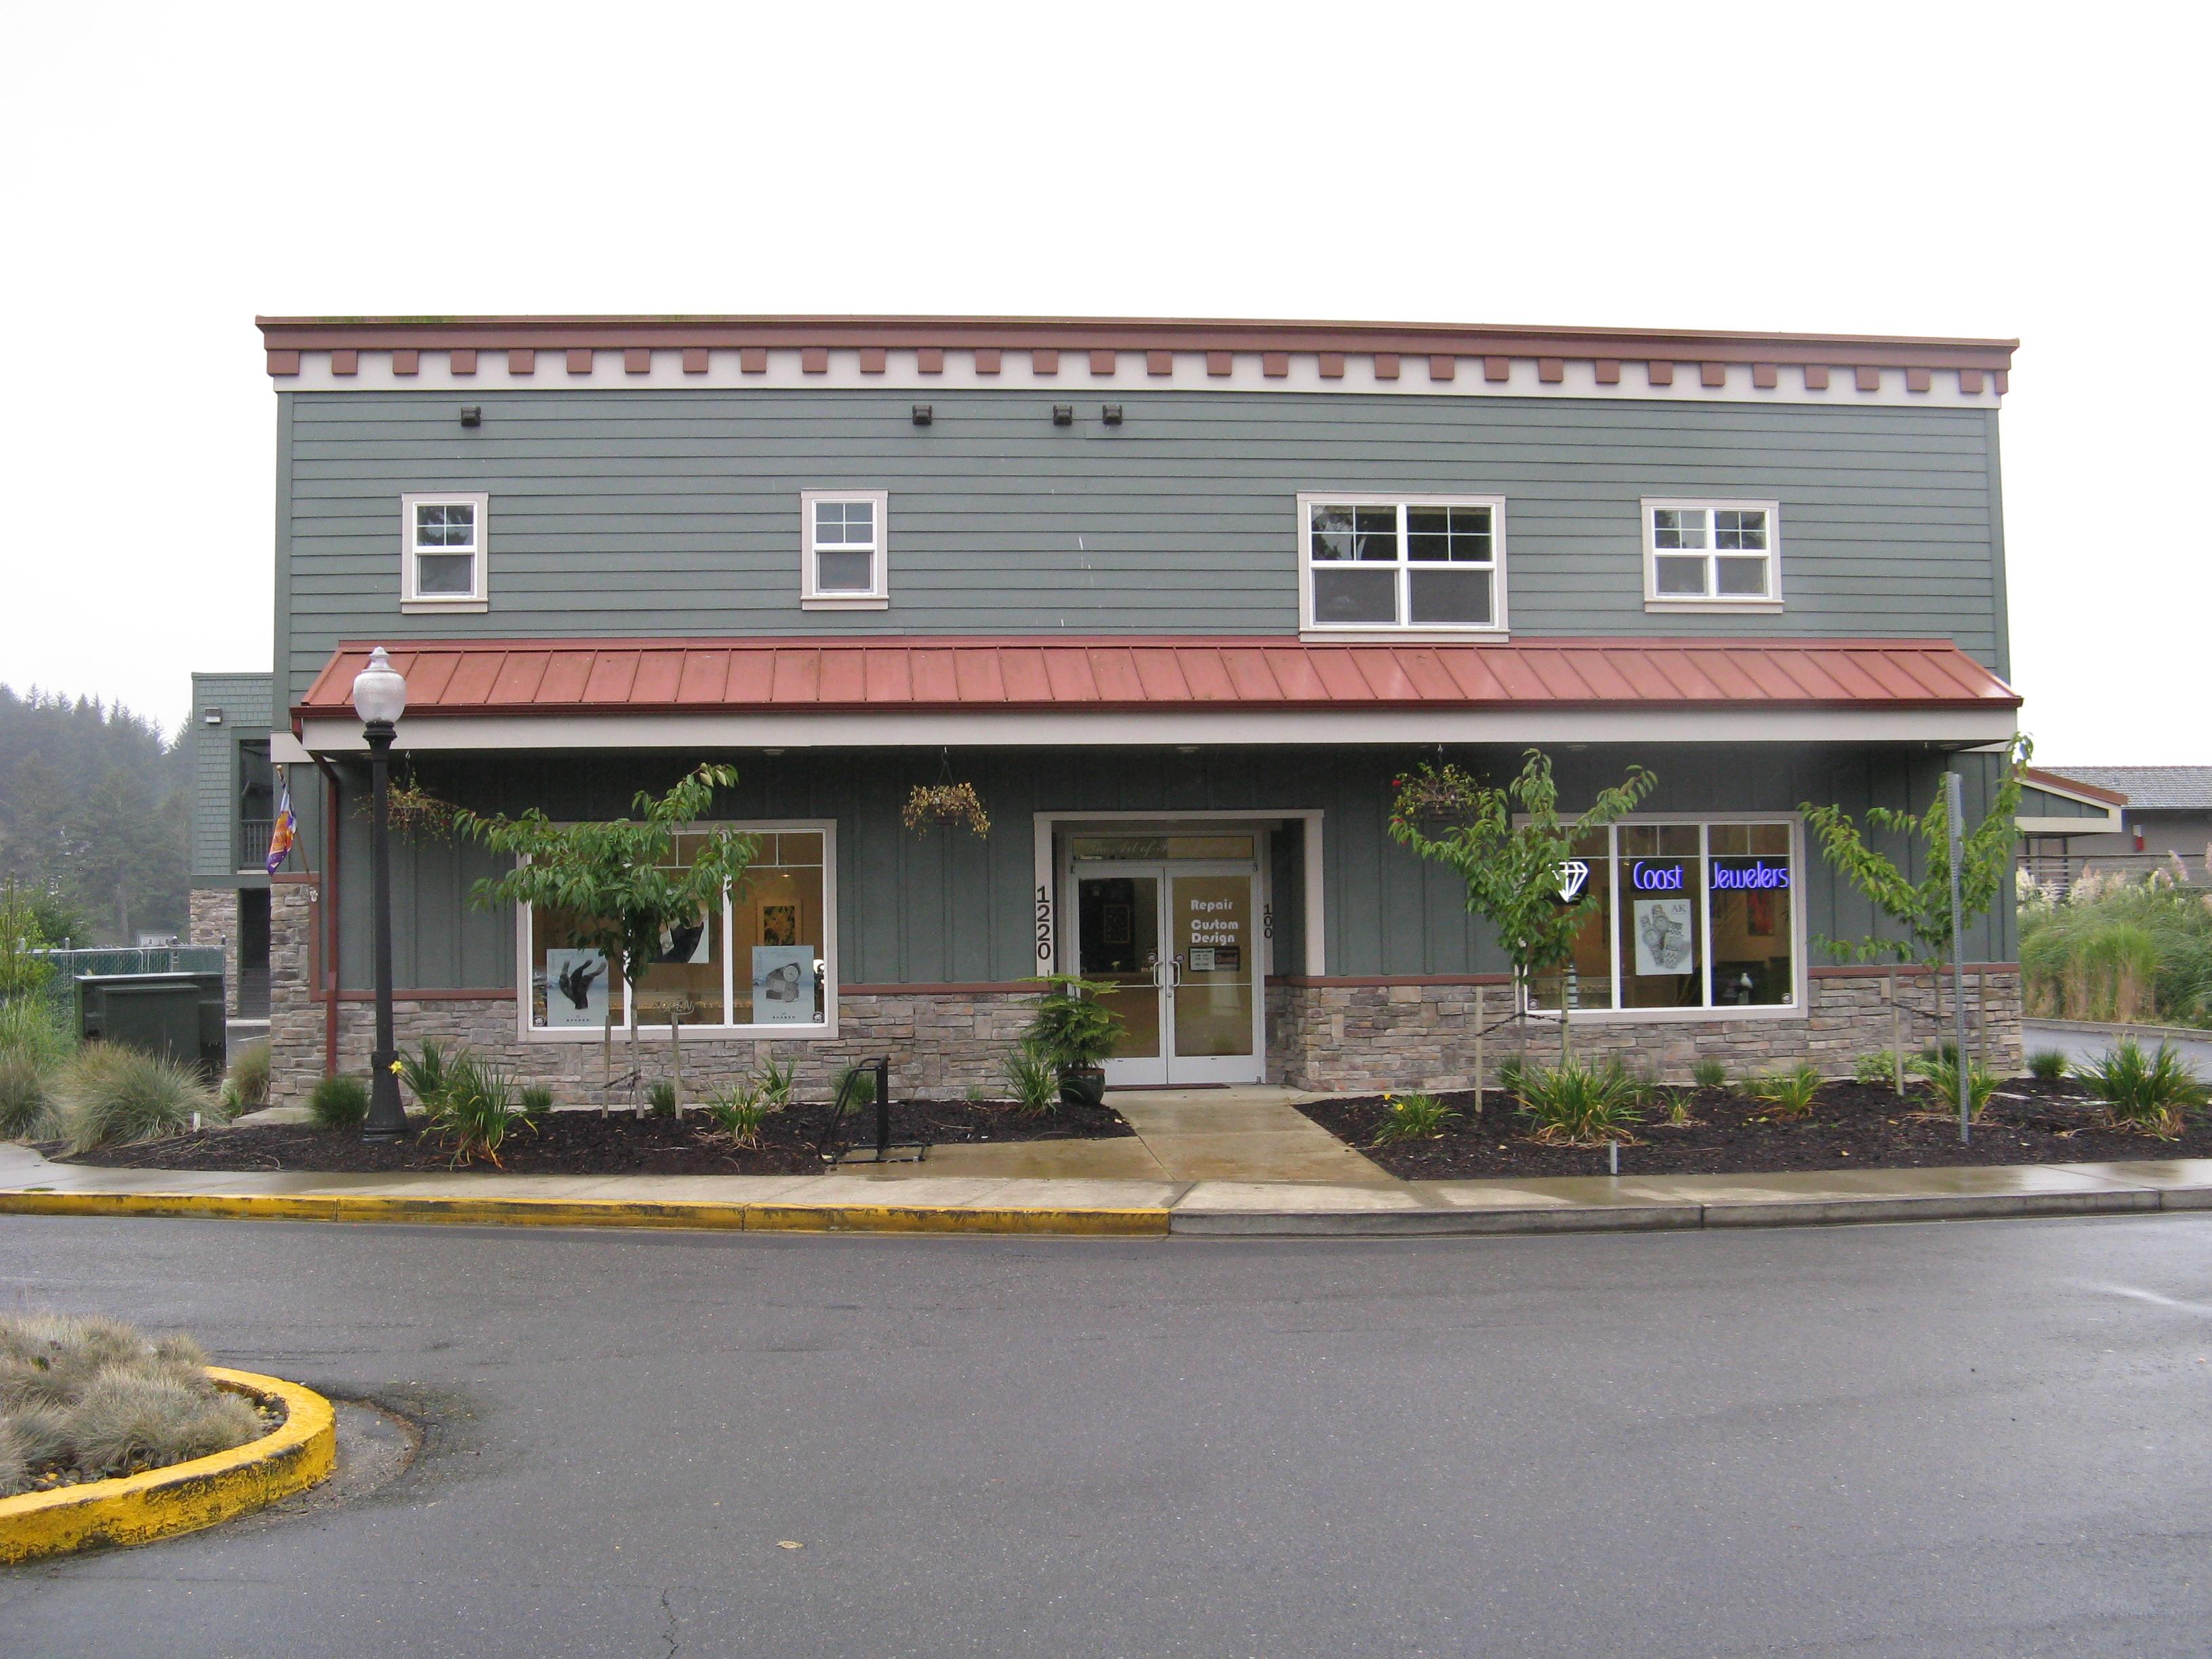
(1157,676)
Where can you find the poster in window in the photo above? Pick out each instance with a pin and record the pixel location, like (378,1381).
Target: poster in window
(1662,936)
(686,942)
(1759,914)
(783,984)
(779,924)
(576,988)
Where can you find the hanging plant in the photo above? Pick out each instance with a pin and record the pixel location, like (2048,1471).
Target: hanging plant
(1434,797)
(415,812)
(946,802)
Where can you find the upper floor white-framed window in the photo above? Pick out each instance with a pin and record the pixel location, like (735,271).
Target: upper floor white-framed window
(1402,563)
(845,553)
(1708,555)
(443,551)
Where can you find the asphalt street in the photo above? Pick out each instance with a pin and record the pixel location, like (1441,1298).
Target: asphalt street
(2081,1046)
(1974,1439)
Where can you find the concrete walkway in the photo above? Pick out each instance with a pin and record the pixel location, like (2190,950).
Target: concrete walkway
(974,1202)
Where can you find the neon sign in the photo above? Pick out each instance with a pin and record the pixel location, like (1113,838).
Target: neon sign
(1572,875)
(1649,878)
(1747,875)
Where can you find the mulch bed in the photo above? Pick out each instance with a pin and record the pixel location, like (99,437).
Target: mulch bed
(620,1143)
(1852,1126)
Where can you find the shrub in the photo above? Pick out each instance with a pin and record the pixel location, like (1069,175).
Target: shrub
(2050,1065)
(776,1079)
(741,1111)
(111,1095)
(2150,1094)
(1709,1073)
(1573,1104)
(424,1074)
(95,1396)
(1786,1093)
(33,1028)
(1512,1072)
(478,1108)
(247,1088)
(537,1100)
(25,1114)
(663,1097)
(1031,1079)
(1412,1117)
(1940,1068)
(1877,1070)
(339,1104)
(2120,950)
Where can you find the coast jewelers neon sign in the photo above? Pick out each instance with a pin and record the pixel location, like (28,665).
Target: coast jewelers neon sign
(1729,875)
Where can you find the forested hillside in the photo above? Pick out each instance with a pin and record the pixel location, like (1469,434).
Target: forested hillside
(95,811)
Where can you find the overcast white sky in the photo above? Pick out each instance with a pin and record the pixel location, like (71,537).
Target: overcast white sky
(2001,170)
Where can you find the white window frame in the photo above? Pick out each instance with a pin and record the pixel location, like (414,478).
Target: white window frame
(478,596)
(1800,937)
(811,595)
(1310,499)
(1710,602)
(826,1031)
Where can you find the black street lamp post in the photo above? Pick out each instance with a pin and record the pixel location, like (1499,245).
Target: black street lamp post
(380,697)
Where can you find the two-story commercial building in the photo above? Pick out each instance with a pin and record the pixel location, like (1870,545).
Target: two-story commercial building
(1179,600)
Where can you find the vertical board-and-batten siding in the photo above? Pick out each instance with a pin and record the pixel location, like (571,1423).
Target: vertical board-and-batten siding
(676,512)
(245,700)
(946,908)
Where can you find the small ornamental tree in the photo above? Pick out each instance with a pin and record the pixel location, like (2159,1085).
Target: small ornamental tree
(1922,909)
(22,970)
(620,879)
(1512,871)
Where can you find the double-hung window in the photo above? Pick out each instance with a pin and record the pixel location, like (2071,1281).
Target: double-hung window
(1404,562)
(1706,555)
(442,552)
(846,548)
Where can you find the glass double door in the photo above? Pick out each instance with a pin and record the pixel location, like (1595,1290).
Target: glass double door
(1180,942)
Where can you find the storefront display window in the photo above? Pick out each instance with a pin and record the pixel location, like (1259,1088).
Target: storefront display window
(762,958)
(1690,916)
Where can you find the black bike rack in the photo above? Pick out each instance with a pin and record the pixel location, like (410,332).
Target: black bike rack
(835,1150)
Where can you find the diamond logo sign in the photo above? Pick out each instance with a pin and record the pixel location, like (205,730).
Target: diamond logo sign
(1573,877)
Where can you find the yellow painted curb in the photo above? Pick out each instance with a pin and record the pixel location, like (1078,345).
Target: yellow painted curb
(184,1496)
(799,1217)
(794,1216)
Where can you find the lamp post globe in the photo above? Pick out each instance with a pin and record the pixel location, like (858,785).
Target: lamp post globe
(380,697)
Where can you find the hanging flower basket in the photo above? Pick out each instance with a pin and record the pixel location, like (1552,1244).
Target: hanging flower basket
(414,810)
(1434,798)
(946,802)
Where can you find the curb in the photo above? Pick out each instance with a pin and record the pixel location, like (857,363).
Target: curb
(138,1508)
(2101,1028)
(697,1215)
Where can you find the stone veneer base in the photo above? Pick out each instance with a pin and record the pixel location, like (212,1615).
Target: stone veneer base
(1328,1038)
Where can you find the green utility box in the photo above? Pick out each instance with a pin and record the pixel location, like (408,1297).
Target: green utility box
(179,1015)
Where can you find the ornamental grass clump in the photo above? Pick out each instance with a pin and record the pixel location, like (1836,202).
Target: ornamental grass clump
(741,1112)
(424,1074)
(478,1108)
(112,1094)
(247,1088)
(2049,1066)
(31,1029)
(1940,1067)
(2150,1094)
(1031,1079)
(1412,1117)
(25,1114)
(1709,1073)
(776,1079)
(1785,1093)
(1575,1104)
(339,1104)
(92,1398)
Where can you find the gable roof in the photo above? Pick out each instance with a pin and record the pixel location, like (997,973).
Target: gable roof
(2151,789)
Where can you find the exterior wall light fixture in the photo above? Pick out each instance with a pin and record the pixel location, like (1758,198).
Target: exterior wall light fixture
(1063,414)
(1110,413)
(471,414)
(923,414)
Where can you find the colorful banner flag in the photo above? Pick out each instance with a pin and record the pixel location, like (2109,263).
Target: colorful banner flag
(283,832)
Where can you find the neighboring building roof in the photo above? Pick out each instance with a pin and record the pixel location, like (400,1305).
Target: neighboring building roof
(341,353)
(2072,784)
(1156,674)
(2152,788)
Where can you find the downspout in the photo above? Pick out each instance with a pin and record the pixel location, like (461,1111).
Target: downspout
(329,902)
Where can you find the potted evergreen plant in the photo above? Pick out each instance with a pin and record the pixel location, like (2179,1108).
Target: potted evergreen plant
(1076,1032)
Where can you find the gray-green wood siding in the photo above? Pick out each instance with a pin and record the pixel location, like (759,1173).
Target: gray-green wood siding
(948,908)
(245,700)
(674,512)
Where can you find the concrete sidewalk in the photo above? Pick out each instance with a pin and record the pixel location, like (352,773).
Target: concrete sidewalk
(846,1201)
